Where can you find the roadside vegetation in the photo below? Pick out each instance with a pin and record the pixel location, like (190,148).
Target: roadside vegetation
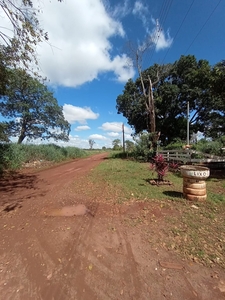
(194,230)
(15,156)
(141,149)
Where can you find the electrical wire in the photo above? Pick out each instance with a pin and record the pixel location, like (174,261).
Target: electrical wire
(203,26)
(162,17)
(179,29)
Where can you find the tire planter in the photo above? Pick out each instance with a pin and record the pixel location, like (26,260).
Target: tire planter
(194,185)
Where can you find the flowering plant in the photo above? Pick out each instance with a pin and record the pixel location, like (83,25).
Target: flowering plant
(160,166)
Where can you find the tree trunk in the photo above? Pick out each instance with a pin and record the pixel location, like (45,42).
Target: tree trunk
(22,133)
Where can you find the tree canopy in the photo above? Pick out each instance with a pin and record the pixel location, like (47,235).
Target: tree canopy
(116,144)
(186,80)
(32,110)
(91,143)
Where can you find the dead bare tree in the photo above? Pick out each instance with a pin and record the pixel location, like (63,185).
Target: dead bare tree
(136,54)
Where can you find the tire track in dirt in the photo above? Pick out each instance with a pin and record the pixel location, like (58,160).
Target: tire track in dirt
(101,271)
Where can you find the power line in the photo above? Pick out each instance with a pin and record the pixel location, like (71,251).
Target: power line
(162,17)
(203,26)
(179,28)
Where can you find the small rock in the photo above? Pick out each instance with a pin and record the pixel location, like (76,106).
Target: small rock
(194,206)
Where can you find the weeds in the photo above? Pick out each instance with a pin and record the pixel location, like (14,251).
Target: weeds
(13,156)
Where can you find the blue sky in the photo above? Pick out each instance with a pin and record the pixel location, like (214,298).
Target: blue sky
(86,60)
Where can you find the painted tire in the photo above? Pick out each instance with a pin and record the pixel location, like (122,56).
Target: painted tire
(195,172)
(194,184)
(195,197)
(196,192)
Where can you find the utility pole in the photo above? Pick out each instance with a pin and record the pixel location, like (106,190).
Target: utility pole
(123,138)
(188,124)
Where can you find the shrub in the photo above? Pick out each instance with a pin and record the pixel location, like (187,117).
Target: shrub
(210,147)
(12,156)
(143,148)
(177,144)
(161,166)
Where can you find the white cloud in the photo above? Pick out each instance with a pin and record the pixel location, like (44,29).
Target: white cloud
(141,11)
(121,10)
(113,134)
(79,35)
(115,127)
(163,40)
(156,38)
(97,137)
(78,114)
(122,68)
(128,137)
(157,35)
(81,128)
(76,141)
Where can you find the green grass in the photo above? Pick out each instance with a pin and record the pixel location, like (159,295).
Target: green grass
(196,230)
(133,179)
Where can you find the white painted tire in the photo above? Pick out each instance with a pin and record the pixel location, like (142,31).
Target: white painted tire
(195,184)
(195,197)
(196,192)
(195,172)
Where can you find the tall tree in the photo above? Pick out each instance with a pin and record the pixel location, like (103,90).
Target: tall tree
(129,145)
(116,144)
(147,84)
(187,80)
(91,143)
(214,124)
(32,110)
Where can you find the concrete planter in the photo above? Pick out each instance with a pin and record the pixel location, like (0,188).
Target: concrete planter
(194,186)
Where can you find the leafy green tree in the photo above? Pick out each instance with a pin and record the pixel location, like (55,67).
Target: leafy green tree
(143,149)
(32,110)
(214,124)
(91,143)
(4,132)
(116,144)
(129,145)
(187,80)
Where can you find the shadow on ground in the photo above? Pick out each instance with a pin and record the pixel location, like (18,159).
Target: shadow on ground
(173,194)
(10,186)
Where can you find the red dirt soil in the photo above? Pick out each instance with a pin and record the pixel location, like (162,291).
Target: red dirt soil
(98,255)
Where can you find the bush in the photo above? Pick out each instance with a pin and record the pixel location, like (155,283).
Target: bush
(175,145)
(12,156)
(161,166)
(143,148)
(210,147)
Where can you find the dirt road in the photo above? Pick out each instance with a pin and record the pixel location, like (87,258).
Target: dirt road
(95,254)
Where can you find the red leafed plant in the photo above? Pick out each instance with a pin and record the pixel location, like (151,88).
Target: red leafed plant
(160,166)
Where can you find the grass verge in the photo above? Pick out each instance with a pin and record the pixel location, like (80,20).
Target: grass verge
(194,230)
